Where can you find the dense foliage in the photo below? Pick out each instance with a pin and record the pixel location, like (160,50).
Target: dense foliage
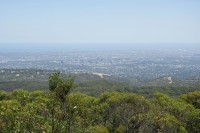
(37,111)
(116,112)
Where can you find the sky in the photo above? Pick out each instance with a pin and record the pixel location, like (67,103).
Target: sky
(68,22)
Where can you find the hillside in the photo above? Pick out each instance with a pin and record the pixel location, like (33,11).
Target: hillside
(93,84)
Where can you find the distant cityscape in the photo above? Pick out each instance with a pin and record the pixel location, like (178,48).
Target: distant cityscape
(144,65)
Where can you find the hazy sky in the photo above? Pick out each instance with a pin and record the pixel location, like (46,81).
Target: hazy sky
(100,21)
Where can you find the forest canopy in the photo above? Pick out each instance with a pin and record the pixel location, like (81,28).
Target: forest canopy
(37,111)
(60,110)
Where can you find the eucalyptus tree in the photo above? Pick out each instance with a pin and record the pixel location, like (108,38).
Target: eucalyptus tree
(60,89)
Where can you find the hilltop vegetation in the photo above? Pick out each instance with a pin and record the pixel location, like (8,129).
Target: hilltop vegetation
(61,110)
(23,111)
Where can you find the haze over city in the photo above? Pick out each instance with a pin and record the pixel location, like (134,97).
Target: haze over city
(129,37)
(143,40)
